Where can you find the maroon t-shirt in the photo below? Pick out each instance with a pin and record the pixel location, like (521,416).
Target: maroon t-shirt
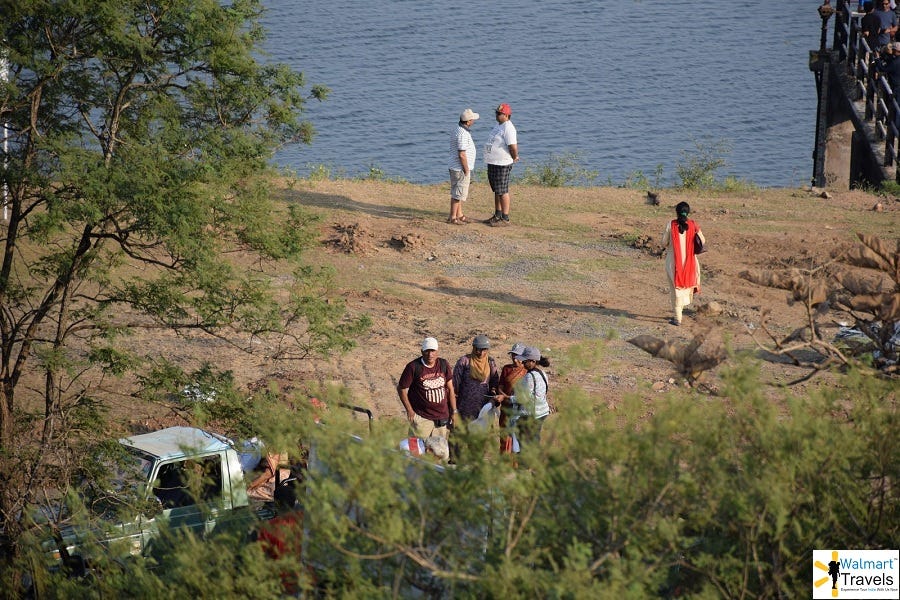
(427,388)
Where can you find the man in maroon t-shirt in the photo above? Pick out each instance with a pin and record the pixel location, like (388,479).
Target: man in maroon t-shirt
(426,391)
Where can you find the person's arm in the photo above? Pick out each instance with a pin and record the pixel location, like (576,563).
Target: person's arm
(404,399)
(451,400)
(504,388)
(514,152)
(493,377)
(406,380)
(667,237)
(464,162)
(458,372)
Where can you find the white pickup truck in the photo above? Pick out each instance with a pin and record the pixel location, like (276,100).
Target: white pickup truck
(187,478)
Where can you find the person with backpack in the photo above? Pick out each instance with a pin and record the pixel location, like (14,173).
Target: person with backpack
(427,394)
(682,266)
(529,406)
(475,379)
(510,375)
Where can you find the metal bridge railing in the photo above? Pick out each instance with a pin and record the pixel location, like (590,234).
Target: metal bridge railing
(880,104)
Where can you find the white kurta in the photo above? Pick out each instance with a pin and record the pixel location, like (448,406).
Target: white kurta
(680,297)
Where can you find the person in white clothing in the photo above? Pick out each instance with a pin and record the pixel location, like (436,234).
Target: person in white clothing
(500,153)
(682,266)
(462,161)
(530,404)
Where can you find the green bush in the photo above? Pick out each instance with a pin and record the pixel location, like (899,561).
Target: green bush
(890,188)
(698,496)
(319,172)
(559,170)
(703,496)
(697,169)
(376,173)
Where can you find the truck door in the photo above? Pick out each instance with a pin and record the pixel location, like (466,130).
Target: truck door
(190,491)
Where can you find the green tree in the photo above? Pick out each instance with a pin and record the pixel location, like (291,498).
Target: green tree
(698,497)
(137,137)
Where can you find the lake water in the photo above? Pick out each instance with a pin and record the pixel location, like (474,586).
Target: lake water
(627,86)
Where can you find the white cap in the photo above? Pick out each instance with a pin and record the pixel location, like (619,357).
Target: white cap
(468,115)
(429,343)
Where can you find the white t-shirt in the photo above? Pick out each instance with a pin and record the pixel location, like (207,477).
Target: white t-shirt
(496,151)
(461,140)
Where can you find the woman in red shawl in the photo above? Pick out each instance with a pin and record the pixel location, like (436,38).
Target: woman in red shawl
(682,265)
(509,375)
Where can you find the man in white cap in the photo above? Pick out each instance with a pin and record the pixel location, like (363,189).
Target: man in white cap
(426,391)
(462,161)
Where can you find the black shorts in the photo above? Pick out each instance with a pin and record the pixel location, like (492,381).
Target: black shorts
(498,177)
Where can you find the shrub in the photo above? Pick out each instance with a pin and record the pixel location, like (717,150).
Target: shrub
(559,170)
(319,172)
(697,169)
(700,497)
(376,173)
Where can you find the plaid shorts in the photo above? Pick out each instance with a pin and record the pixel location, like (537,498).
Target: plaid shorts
(498,177)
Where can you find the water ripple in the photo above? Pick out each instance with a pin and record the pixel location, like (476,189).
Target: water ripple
(626,85)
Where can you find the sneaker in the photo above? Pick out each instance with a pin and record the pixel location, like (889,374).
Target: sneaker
(492,220)
(500,223)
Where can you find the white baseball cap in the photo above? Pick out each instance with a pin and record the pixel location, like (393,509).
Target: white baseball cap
(429,343)
(469,115)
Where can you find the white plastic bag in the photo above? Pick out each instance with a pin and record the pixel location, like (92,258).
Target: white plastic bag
(485,419)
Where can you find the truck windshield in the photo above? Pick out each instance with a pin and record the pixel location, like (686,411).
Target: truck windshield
(124,489)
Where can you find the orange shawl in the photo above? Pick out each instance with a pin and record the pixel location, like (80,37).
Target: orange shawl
(685,266)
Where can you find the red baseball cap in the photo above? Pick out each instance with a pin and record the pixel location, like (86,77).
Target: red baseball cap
(505,109)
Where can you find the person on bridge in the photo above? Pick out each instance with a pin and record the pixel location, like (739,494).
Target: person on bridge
(870,24)
(888,65)
(887,20)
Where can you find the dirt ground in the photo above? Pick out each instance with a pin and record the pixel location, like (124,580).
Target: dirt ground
(577,274)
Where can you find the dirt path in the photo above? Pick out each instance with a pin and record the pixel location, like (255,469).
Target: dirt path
(577,274)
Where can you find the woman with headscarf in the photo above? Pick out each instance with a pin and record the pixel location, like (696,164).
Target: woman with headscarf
(530,402)
(514,371)
(682,265)
(510,374)
(475,379)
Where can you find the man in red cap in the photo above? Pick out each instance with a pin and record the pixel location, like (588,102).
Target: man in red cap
(500,153)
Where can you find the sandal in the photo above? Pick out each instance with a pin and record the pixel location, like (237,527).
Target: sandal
(455,222)
(463,219)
